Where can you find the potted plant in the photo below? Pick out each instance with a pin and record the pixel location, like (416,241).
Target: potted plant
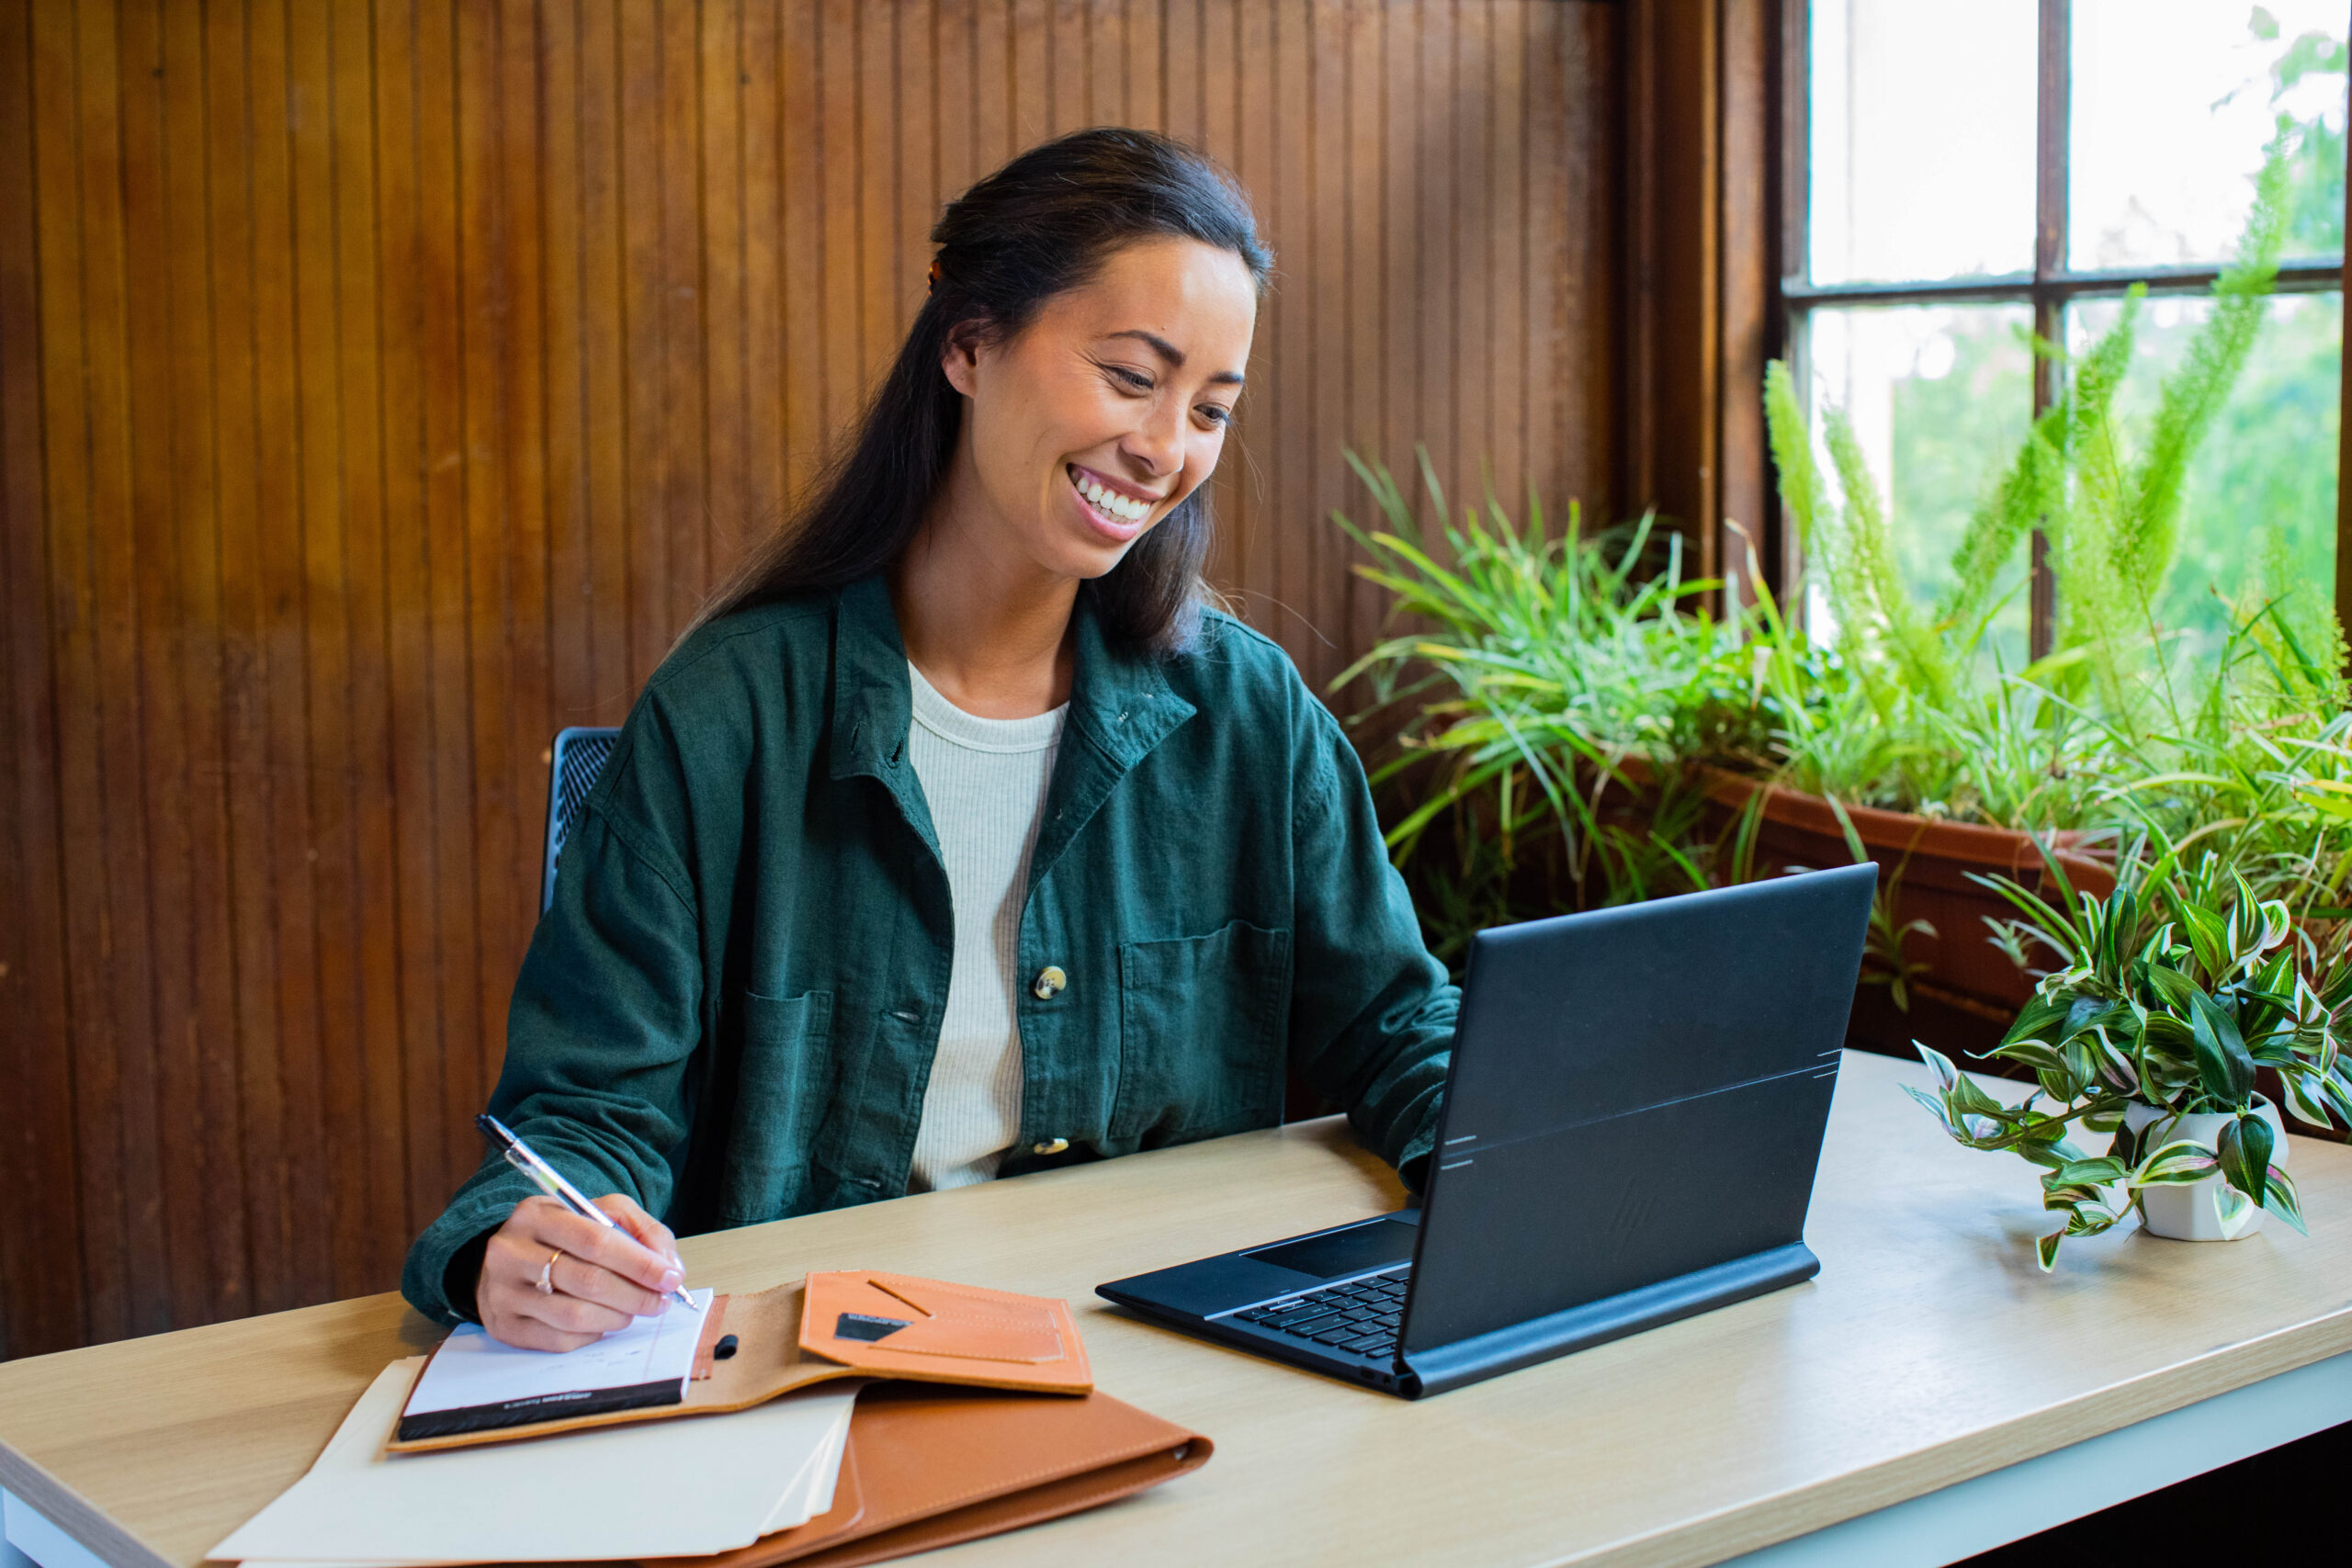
(2174,993)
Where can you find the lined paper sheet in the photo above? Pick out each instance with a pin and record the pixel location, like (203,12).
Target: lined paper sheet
(471,1370)
(690,1486)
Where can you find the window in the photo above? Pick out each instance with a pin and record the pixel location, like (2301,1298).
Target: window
(1968,176)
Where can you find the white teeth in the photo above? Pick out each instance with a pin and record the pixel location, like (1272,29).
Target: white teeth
(1110,501)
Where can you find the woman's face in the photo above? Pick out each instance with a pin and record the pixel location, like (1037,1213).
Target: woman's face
(1090,425)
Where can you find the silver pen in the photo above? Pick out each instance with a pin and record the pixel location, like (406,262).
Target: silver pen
(525,1159)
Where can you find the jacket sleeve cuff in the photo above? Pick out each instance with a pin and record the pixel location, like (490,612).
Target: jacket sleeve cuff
(477,1211)
(1413,1159)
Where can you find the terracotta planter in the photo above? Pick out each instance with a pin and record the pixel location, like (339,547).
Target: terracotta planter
(1929,863)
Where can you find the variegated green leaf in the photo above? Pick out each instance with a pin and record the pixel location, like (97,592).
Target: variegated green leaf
(2182,1160)
(2245,1150)
(2223,1064)
(2284,1202)
(2301,1106)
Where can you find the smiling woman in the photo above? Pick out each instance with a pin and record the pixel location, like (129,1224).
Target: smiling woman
(959,838)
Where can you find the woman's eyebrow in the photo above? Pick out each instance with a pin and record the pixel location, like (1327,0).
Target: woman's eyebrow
(1175,356)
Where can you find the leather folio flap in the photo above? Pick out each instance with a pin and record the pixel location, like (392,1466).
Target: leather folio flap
(931,1466)
(953,1334)
(894,1326)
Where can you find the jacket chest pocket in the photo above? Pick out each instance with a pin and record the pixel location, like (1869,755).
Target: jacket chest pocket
(779,1091)
(1203,1037)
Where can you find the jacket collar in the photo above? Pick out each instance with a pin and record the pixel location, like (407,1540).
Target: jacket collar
(1120,703)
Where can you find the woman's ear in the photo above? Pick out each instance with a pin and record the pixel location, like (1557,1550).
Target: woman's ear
(961,358)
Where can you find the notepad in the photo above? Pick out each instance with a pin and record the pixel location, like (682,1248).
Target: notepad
(668,1489)
(473,1383)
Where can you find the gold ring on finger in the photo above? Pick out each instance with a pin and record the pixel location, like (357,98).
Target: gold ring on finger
(547,1270)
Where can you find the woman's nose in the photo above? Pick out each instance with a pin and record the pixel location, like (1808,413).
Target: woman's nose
(1158,443)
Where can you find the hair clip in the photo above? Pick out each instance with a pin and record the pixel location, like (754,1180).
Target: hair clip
(935,277)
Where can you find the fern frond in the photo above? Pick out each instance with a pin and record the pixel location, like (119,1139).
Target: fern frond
(1915,646)
(2194,393)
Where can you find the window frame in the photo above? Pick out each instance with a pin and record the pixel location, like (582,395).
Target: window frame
(2049,288)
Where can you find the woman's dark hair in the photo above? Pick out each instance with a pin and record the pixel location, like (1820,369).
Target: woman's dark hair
(1043,223)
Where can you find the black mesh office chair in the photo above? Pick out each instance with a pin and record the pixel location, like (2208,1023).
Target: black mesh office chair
(574,762)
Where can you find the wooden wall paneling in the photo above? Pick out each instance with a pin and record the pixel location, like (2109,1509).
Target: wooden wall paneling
(287,469)
(450,385)
(921,135)
(1289,524)
(1507,200)
(1029,73)
(766,424)
(214,1180)
(727,456)
(335,1046)
(1259,481)
(1552,259)
(1700,142)
(1144,63)
(43,1299)
(993,54)
(69,446)
(413,773)
(804,248)
(1179,70)
(1066,88)
(249,790)
(1472,409)
(874,216)
(515,278)
(837,160)
(1404,234)
(687,338)
(915,90)
(1322,48)
(379,1128)
(1365,325)
(1218,133)
(1749,255)
(382,386)
(643,381)
(571,678)
(1576,155)
(145,628)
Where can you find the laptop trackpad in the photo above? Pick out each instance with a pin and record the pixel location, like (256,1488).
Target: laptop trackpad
(1382,1243)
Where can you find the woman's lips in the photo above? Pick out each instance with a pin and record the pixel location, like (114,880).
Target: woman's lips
(1119,530)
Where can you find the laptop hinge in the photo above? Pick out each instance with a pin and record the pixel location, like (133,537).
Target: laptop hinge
(1443,1366)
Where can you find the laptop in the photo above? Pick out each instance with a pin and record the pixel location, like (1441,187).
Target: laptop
(1633,1117)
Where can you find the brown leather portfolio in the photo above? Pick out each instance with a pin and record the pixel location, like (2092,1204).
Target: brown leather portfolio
(850,1323)
(928,1466)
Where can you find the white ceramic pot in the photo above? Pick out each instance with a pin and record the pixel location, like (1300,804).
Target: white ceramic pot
(2210,1210)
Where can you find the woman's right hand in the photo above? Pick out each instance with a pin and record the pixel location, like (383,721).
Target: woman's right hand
(602,1279)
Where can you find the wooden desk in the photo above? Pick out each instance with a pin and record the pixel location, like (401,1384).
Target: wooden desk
(1928,1351)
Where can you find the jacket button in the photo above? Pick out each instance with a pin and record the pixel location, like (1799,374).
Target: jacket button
(1050,1146)
(1048,983)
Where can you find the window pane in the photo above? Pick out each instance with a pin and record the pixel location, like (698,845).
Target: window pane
(1921,118)
(2259,505)
(1940,396)
(2173,102)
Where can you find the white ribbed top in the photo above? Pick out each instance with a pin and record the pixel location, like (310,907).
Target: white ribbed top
(985,782)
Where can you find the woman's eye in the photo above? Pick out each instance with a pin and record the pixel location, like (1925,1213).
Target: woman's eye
(1217,414)
(1133,379)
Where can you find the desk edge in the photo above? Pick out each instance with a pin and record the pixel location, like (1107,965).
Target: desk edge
(74,1514)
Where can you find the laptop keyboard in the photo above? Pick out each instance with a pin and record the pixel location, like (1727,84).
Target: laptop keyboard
(1360,1317)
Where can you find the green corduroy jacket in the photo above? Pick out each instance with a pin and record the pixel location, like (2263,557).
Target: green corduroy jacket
(730,1009)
